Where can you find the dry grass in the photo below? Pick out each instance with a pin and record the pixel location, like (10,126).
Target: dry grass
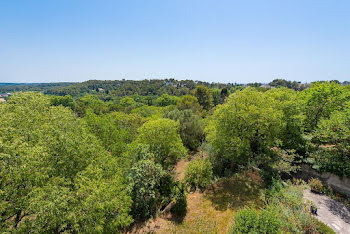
(180,168)
(213,210)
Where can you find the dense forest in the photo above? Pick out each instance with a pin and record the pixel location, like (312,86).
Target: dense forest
(15,87)
(101,156)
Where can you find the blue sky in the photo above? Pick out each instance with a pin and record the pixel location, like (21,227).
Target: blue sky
(221,41)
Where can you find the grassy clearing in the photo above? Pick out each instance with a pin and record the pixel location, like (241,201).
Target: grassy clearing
(213,210)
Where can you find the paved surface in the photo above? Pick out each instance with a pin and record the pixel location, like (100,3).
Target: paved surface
(331,212)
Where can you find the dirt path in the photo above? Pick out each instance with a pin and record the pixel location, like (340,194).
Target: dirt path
(331,212)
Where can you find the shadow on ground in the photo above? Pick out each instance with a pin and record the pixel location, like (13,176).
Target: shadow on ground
(338,209)
(235,192)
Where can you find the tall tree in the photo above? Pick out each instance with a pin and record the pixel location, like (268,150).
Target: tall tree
(189,102)
(321,100)
(244,130)
(191,127)
(204,97)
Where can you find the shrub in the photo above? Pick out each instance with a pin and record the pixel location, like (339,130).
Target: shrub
(323,228)
(180,199)
(285,212)
(250,221)
(316,185)
(144,181)
(245,221)
(198,173)
(191,127)
(163,139)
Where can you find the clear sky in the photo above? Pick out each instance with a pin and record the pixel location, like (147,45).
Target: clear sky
(223,41)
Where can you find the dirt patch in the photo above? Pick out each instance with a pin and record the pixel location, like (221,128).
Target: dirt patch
(180,168)
(212,211)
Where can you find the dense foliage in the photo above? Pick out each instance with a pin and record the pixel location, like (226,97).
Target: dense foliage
(54,175)
(198,173)
(163,139)
(191,127)
(244,130)
(285,212)
(96,156)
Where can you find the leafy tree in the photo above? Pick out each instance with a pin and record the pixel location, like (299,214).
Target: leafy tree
(321,100)
(244,130)
(90,102)
(284,83)
(115,130)
(144,180)
(223,95)
(191,128)
(216,96)
(189,102)
(127,101)
(288,101)
(163,139)
(152,112)
(166,100)
(54,175)
(151,186)
(180,199)
(332,138)
(66,101)
(204,96)
(198,173)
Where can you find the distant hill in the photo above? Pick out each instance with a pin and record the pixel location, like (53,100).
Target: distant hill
(133,87)
(42,87)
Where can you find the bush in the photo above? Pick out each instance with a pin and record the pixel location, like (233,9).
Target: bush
(245,221)
(250,221)
(316,185)
(285,212)
(163,139)
(323,228)
(198,173)
(144,181)
(180,199)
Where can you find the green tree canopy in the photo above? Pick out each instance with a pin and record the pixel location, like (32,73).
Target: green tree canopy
(244,130)
(166,100)
(116,130)
(189,102)
(204,96)
(191,127)
(288,101)
(90,102)
(54,175)
(67,101)
(321,100)
(163,139)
